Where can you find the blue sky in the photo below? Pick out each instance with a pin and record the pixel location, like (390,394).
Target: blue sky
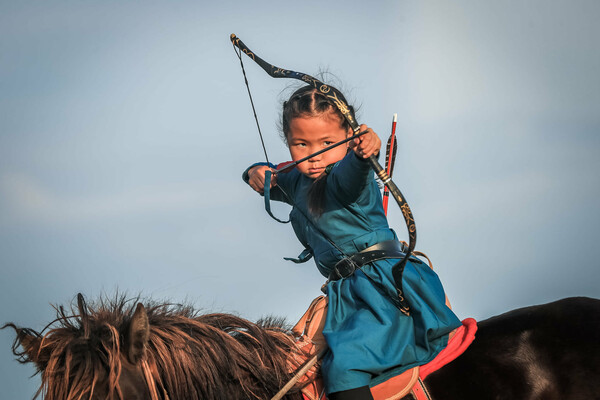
(124,129)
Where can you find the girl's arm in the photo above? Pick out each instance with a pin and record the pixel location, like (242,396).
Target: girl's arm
(353,173)
(255,177)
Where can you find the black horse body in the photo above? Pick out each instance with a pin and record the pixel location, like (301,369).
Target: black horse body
(547,352)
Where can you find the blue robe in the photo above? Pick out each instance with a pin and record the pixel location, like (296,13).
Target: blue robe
(370,340)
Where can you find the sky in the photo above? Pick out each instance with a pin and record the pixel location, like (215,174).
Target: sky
(125,127)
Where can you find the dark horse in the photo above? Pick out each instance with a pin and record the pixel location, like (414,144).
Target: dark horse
(119,349)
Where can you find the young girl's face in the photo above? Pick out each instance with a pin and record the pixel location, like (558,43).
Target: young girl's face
(308,135)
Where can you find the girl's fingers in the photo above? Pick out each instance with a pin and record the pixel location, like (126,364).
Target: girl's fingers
(257,178)
(369,143)
(257,187)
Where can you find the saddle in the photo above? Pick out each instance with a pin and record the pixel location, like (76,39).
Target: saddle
(312,342)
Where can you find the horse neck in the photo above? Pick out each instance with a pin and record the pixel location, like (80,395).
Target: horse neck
(220,356)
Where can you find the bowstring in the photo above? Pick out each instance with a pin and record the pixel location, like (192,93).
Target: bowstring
(238,52)
(314,224)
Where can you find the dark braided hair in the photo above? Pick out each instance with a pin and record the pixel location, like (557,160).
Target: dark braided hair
(309,102)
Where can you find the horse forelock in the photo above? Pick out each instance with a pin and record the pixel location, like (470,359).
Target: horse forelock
(83,350)
(188,356)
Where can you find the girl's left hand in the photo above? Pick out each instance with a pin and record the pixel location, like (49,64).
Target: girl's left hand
(368,144)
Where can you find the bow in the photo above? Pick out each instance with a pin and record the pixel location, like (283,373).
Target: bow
(335,97)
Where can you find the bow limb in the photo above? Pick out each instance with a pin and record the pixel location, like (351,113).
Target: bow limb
(336,98)
(332,94)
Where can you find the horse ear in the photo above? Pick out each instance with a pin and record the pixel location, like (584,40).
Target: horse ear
(83,315)
(138,335)
(30,341)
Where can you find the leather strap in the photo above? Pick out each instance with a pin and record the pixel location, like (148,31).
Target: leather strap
(379,251)
(387,249)
(267,196)
(419,391)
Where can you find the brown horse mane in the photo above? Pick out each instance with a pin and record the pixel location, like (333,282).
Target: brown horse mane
(191,356)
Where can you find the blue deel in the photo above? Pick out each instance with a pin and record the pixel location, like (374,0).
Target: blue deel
(369,339)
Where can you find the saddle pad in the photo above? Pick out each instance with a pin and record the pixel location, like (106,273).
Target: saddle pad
(460,341)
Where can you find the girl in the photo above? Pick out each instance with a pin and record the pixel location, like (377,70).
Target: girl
(338,216)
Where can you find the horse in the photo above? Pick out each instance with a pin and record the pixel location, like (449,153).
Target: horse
(121,349)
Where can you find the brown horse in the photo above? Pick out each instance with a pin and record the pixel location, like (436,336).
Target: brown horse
(122,350)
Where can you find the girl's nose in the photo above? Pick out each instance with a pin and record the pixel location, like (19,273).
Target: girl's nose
(314,158)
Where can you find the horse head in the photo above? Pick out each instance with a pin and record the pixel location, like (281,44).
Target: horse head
(120,349)
(85,357)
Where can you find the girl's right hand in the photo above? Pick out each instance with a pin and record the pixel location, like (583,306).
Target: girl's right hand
(256,178)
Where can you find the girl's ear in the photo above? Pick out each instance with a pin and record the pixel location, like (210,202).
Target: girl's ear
(349,133)
(351,143)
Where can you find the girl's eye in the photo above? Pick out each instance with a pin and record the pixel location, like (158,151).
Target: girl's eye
(327,143)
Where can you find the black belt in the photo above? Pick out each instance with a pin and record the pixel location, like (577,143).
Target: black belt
(388,249)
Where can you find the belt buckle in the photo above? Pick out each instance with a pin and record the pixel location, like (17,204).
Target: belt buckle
(345,268)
